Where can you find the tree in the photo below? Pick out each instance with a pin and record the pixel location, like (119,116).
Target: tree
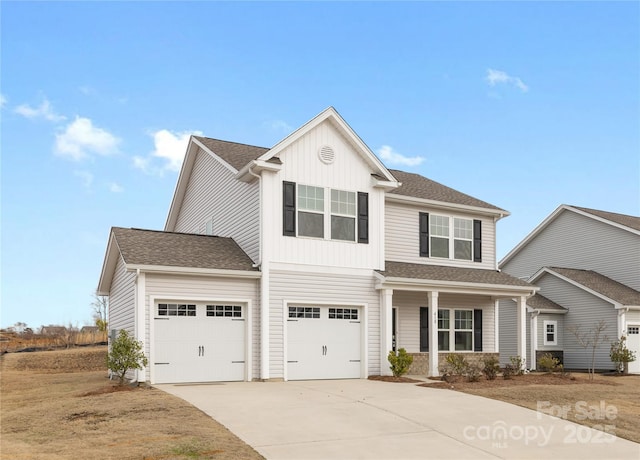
(620,355)
(100,307)
(591,339)
(125,354)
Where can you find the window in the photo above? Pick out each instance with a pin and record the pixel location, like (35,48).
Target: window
(310,211)
(304,312)
(208,226)
(550,331)
(228,311)
(450,237)
(174,309)
(343,313)
(462,238)
(463,330)
(343,215)
(443,330)
(633,330)
(439,226)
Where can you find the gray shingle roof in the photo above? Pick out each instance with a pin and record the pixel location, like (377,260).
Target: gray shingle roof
(442,273)
(542,303)
(150,247)
(617,292)
(622,219)
(237,155)
(418,186)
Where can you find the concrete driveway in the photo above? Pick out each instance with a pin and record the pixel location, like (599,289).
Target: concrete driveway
(364,419)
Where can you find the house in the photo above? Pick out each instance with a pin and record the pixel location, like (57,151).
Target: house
(307,260)
(53,330)
(586,263)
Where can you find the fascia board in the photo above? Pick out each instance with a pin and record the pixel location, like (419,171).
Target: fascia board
(181,184)
(578,285)
(108,266)
(394,198)
(194,271)
(603,220)
(214,155)
(456,286)
(256,166)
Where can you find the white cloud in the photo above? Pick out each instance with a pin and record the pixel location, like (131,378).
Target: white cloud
(81,138)
(44,110)
(170,147)
(115,187)
(390,156)
(86,177)
(495,77)
(280,125)
(3,100)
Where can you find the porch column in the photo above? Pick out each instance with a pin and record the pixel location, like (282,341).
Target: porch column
(140,321)
(534,340)
(622,324)
(521,327)
(386,305)
(433,333)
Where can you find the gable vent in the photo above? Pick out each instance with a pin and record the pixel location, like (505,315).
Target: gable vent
(326,154)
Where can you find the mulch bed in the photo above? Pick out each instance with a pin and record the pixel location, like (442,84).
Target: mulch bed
(390,378)
(527,379)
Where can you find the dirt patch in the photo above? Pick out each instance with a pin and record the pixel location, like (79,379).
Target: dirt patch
(391,378)
(611,403)
(52,413)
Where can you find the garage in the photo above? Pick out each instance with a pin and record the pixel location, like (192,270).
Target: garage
(323,342)
(633,344)
(198,342)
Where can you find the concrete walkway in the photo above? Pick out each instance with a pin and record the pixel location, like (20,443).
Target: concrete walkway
(363,419)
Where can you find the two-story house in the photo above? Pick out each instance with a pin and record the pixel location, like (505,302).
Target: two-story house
(586,263)
(307,260)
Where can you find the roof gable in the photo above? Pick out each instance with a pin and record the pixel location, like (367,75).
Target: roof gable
(235,154)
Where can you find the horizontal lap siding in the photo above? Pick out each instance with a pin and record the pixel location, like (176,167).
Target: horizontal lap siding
(402,237)
(211,288)
(633,317)
(326,288)
(541,332)
(122,299)
(234,205)
(508,330)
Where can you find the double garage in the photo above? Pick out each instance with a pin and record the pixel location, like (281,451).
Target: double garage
(197,342)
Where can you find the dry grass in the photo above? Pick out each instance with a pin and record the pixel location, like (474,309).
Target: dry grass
(60,405)
(575,398)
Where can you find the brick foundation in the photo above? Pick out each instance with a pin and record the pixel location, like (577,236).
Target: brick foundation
(420,365)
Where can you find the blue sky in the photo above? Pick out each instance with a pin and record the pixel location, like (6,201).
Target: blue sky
(524,105)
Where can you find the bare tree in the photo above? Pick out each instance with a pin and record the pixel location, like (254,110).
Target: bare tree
(590,340)
(100,307)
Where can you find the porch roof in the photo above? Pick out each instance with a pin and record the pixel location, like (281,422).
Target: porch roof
(400,275)
(542,304)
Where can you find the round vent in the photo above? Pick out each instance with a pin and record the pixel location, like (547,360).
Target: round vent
(326,154)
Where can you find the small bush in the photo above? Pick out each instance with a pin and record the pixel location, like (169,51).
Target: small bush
(125,354)
(400,363)
(508,372)
(491,367)
(620,355)
(517,363)
(457,362)
(549,364)
(473,372)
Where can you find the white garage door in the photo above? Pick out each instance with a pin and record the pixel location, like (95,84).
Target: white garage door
(633,344)
(198,342)
(323,343)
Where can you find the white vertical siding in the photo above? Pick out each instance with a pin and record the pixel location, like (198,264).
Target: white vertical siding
(310,287)
(576,241)
(403,238)
(349,172)
(204,287)
(213,192)
(122,299)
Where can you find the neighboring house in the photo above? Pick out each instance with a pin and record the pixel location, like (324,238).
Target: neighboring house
(323,260)
(587,265)
(53,330)
(89,330)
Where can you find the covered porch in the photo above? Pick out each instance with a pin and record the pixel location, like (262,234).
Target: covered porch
(433,310)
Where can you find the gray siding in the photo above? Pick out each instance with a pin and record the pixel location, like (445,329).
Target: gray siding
(559,319)
(576,241)
(213,192)
(326,288)
(205,287)
(585,311)
(122,299)
(508,338)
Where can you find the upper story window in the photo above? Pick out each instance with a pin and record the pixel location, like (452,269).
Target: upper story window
(449,237)
(347,213)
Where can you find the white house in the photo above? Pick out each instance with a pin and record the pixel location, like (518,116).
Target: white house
(586,263)
(307,260)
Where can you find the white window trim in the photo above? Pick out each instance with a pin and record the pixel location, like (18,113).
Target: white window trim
(327,213)
(452,330)
(544,332)
(451,237)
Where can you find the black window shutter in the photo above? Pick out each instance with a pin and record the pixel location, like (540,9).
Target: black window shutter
(363,217)
(424,329)
(477,330)
(288,208)
(477,241)
(424,234)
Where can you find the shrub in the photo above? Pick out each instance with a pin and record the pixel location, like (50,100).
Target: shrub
(457,362)
(125,354)
(548,363)
(508,372)
(400,363)
(473,372)
(620,355)
(491,367)
(517,363)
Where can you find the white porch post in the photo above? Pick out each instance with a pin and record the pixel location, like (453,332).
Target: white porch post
(622,323)
(386,305)
(433,333)
(521,306)
(140,321)
(496,322)
(534,340)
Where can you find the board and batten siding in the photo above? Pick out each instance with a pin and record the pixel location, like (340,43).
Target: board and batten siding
(408,303)
(213,192)
(322,288)
(403,238)
(349,172)
(187,288)
(575,241)
(122,299)
(585,311)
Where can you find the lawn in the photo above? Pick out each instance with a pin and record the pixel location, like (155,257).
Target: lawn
(60,405)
